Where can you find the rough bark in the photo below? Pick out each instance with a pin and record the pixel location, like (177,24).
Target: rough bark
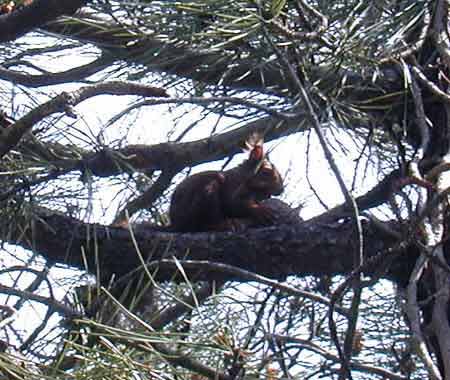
(176,156)
(25,19)
(293,249)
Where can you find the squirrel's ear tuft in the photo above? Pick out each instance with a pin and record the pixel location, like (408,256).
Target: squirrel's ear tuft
(257,153)
(254,144)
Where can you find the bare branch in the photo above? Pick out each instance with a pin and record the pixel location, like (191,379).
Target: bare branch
(272,252)
(61,103)
(60,308)
(72,75)
(364,368)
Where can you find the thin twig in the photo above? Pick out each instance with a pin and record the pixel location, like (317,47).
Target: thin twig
(247,275)
(307,344)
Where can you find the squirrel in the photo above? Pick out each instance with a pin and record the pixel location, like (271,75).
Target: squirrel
(219,200)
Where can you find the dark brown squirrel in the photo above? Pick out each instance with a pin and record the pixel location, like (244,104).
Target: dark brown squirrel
(218,200)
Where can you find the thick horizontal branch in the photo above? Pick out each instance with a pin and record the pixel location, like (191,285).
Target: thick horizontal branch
(172,157)
(275,252)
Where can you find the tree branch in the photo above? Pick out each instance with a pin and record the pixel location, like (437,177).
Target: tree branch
(51,303)
(11,136)
(71,75)
(176,156)
(274,252)
(23,20)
